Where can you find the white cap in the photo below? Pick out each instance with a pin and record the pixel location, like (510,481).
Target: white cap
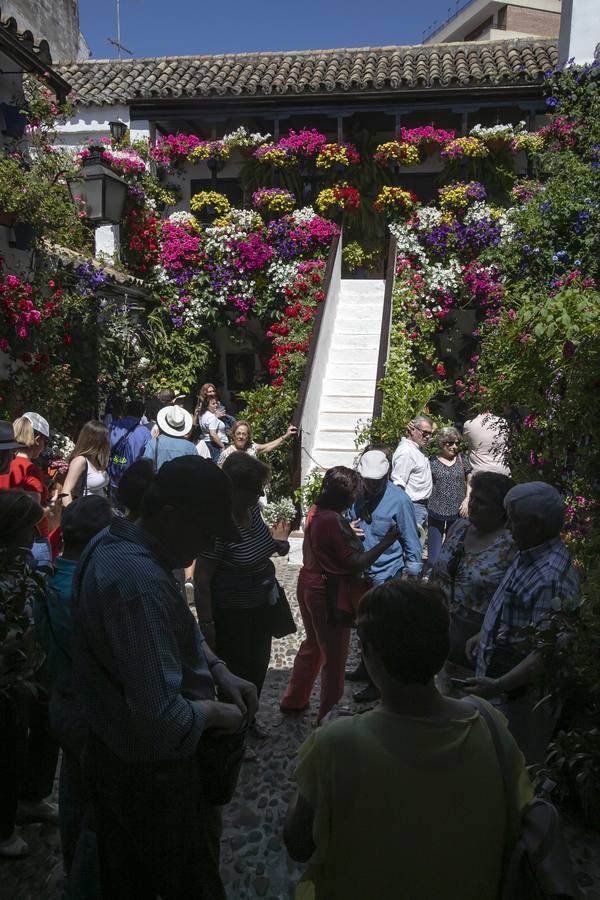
(373,464)
(39,423)
(174,420)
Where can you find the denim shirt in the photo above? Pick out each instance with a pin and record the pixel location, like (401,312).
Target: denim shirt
(405,554)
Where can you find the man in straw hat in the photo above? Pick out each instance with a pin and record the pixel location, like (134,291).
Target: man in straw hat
(174,426)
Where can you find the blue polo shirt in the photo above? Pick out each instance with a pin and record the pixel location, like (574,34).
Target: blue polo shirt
(405,554)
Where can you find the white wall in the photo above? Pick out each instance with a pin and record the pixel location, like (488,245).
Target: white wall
(310,416)
(579,31)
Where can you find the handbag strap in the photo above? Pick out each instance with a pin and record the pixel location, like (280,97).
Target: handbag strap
(156,453)
(512,813)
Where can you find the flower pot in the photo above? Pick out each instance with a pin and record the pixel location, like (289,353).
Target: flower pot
(281,530)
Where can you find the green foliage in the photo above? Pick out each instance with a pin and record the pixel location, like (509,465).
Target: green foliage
(545,358)
(178,357)
(270,410)
(404,393)
(558,231)
(306,495)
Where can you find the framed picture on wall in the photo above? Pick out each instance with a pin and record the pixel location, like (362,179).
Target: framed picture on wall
(240,371)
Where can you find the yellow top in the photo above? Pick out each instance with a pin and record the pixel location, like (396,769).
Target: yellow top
(406,808)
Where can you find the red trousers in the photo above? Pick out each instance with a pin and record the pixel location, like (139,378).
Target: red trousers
(324,650)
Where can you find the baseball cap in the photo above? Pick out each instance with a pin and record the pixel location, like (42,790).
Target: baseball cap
(7,437)
(373,464)
(198,486)
(84,518)
(39,423)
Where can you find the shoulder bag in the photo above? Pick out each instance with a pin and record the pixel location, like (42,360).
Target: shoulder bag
(280,615)
(536,865)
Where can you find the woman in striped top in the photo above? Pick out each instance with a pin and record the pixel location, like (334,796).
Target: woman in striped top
(235,583)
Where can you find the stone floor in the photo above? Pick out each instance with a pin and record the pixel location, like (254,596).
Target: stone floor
(254,861)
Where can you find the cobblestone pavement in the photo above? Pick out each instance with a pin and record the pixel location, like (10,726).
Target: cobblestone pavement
(254,861)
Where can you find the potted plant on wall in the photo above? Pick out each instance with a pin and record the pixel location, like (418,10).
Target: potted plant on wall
(278,514)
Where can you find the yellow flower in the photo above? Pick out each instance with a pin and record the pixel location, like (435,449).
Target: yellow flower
(218,201)
(399,152)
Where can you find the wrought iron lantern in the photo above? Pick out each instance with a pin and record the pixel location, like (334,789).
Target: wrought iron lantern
(102,192)
(117,131)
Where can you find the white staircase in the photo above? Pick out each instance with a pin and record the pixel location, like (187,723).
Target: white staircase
(351,371)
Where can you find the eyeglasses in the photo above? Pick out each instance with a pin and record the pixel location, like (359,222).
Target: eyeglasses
(426,434)
(451,443)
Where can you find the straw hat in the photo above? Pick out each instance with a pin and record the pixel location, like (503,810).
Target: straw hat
(174,420)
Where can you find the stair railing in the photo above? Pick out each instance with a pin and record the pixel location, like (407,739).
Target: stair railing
(386,326)
(318,351)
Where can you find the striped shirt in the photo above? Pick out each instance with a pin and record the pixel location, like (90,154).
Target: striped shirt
(139,661)
(245,574)
(538,581)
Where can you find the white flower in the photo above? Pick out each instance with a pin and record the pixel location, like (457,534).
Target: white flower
(303,215)
(242,138)
(183,218)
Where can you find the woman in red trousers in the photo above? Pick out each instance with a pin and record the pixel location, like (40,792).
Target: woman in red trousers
(329,590)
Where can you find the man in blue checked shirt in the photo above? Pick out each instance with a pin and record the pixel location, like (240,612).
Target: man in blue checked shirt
(148,683)
(380,506)
(540,580)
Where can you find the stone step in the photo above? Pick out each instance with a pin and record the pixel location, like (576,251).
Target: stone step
(338,457)
(340,403)
(364,355)
(349,387)
(358,308)
(339,420)
(351,370)
(335,439)
(352,341)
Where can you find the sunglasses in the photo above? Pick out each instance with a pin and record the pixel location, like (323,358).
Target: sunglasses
(426,434)
(451,443)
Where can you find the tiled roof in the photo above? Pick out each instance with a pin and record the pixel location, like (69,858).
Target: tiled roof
(311,72)
(32,56)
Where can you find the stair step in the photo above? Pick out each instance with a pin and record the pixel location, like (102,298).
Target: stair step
(364,356)
(339,403)
(351,370)
(349,387)
(338,457)
(343,421)
(334,440)
(352,341)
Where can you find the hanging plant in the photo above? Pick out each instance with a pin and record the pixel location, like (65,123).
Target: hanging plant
(396,202)
(276,201)
(207,199)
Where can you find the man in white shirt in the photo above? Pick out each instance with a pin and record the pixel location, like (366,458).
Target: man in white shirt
(410,466)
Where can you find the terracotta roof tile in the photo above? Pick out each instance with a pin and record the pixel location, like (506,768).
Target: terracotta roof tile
(103,81)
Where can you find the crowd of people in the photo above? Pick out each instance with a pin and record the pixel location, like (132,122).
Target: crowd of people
(148,695)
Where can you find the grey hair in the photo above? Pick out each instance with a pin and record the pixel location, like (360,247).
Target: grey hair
(449,432)
(421,418)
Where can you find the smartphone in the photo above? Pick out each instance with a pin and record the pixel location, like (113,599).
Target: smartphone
(460,682)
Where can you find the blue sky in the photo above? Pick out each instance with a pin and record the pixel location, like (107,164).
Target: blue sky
(172,27)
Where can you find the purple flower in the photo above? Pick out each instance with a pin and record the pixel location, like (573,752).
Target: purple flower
(552,102)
